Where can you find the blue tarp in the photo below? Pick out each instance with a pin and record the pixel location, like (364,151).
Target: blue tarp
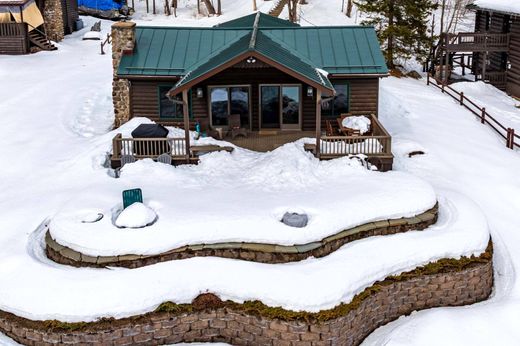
(103,5)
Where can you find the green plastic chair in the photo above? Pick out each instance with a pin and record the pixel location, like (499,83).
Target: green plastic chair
(132,196)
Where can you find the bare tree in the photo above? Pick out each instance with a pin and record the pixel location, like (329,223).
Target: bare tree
(219,8)
(209,6)
(293,10)
(452,13)
(254,6)
(350,5)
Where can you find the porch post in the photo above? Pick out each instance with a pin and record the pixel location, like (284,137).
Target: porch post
(185,111)
(318,122)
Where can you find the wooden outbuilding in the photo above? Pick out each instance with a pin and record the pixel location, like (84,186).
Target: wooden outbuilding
(491,52)
(283,80)
(26,25)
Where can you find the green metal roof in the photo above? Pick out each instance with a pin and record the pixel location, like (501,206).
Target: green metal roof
(265,21)
(177,51)
(260,45)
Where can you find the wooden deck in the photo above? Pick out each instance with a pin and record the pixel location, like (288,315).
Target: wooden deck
(376,146)
(270,140)
(476,42)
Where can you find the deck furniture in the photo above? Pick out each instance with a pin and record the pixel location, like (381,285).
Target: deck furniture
(347,131)
(165,158)
(236,126)
(127,159)
(132,196)
(329,128)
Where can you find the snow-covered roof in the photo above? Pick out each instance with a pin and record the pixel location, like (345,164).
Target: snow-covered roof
(510,6)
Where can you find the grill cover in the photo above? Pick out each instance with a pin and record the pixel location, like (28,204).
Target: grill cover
(150,131)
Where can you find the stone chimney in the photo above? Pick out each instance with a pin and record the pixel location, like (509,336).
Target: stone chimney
(123,43)
(53,18)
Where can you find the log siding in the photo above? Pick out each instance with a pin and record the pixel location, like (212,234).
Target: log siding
(144,96)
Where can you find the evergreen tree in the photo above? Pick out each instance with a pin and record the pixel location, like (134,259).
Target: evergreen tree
(401,25)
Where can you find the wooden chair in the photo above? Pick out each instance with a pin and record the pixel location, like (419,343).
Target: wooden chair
(235,126)
(329,129)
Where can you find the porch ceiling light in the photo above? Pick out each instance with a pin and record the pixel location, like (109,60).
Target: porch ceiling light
(200,93)
(251,60)
(310,91)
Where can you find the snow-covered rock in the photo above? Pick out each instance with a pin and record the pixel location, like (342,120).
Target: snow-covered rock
(136,215)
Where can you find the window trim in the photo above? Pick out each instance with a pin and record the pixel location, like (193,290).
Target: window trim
(228,86)
(190,104)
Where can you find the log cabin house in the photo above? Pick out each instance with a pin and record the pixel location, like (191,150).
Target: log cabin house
(285,82)
(491,52)
(28,25)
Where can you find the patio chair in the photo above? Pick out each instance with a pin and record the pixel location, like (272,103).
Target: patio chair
(127,159)
(236,127)
(205,128)
(132,196)
(329,129)
(165,158)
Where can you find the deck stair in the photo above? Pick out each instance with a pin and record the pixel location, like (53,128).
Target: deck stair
(278,7)
(38,39)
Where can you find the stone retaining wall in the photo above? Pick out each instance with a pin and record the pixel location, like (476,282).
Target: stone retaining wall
(236,324)
(264,253)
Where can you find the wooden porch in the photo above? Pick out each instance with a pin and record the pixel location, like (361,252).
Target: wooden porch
(376,146)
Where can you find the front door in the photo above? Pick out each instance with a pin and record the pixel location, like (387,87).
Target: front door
(280,107)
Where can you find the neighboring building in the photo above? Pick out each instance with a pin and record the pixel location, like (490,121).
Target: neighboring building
(494,46)
(277,75)
(25,24)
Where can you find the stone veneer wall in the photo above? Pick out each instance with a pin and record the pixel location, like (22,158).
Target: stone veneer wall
(264,253)
(123,40)
(236,324)
(53,17)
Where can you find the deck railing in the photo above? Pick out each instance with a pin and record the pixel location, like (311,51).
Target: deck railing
(379,143)
(13,29)
(148,148)
(472,41)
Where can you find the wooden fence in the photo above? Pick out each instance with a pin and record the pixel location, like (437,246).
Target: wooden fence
(377,144)
(507,133)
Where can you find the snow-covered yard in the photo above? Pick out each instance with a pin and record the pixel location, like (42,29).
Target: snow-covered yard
(55,114)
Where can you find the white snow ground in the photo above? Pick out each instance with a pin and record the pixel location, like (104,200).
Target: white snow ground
(239,197)
(47,161)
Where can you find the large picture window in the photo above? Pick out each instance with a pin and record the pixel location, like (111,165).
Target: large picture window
(169,109)
(229,100)
(338,104)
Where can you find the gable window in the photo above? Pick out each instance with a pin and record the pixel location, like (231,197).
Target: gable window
(339,104)
(229,100)
(169,109)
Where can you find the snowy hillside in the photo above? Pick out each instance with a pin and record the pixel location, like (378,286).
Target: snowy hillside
(56,113)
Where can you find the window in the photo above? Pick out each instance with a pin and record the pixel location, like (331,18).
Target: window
(338,104)
(169,109)
(229,100)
